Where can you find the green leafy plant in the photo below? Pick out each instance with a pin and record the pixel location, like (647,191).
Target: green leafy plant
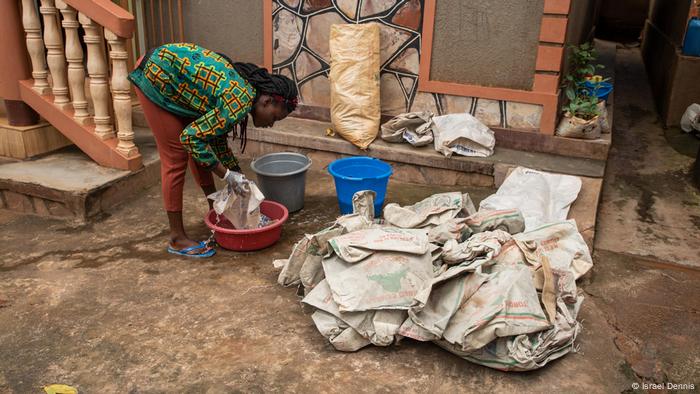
(582,58)
(582,102)
(584,106)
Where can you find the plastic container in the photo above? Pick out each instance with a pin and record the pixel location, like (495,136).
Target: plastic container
(253,239)
(354,174)
(604,89)
(282,178)
(691,43)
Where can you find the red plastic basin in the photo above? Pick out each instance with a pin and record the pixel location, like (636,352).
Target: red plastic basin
(253,239)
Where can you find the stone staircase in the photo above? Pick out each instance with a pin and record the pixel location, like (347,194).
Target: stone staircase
(68,184)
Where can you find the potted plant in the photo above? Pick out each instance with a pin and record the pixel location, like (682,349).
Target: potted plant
(583,107)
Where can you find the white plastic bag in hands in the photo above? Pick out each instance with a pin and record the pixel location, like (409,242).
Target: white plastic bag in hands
(239,203)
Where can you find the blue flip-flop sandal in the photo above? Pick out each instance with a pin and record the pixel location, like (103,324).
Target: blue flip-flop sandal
(185,252)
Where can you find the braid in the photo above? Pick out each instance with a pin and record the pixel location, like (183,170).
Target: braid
(271,84)
(243,133)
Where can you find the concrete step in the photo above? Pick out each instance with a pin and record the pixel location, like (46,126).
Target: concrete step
(68,184)
(417,165)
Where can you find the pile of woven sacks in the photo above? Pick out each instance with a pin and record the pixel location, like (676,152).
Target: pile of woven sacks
(473,282)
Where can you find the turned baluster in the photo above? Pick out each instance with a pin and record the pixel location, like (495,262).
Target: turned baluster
(53,39)
(121,95)
(35,46)
(74,55)
(97,70)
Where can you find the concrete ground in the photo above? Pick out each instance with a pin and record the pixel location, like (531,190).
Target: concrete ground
(648,239)
(103,308)
(649,206)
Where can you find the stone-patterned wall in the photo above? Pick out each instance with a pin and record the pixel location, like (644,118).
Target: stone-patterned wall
(300,51)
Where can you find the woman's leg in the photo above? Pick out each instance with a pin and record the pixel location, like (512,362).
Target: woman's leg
(205,180)
(166,129)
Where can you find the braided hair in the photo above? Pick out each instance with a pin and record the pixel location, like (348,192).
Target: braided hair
(282,90)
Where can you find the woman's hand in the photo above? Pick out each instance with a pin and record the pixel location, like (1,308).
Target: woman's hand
(234,178)
(237,181)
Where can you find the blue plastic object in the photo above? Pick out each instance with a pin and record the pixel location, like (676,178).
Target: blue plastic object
(602,89)
(691,43)
(354,174)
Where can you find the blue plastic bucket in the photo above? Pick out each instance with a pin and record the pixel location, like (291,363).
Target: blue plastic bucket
(603,89)
(354,174)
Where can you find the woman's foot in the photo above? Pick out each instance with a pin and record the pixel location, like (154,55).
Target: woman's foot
(181,242)
(190,248)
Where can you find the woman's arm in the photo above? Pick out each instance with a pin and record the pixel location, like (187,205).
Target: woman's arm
(210,130)
(195,136)
(219,170)
(219,145)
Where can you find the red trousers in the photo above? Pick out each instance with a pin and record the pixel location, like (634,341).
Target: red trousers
(166,128)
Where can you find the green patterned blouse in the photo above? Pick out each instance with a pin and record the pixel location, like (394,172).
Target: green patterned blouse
(190,81)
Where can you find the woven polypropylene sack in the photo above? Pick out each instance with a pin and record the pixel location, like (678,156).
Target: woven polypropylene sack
(354,79)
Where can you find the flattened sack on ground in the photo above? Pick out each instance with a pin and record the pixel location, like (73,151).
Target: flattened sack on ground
(304,263)
(480,246)
(463,134)
(379,268)
(354,80)
(339,334)
(384,280)
(413,127)
(432,211)
(434,306)
(527,352)
(508,220)
(378,327)
(540,196)
(566,251)
(358,245)
(507,304)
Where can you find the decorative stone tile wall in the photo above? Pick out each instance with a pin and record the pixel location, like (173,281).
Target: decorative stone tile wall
(300,51)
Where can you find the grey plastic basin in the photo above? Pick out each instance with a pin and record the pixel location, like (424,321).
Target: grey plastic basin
(282,178)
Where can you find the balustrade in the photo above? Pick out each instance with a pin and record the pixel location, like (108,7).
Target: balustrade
(60,70)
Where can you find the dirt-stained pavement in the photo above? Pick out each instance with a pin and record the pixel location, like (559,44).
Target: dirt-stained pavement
(103,308)
(649,206)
